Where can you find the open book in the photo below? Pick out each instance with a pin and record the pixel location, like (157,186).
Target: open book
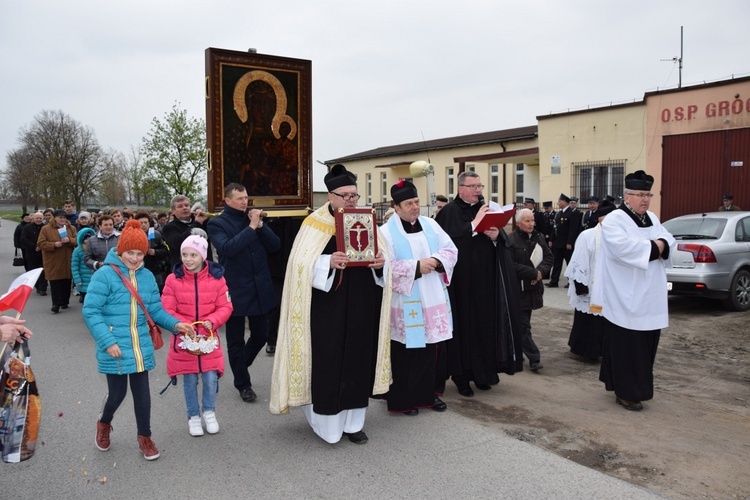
(496,218)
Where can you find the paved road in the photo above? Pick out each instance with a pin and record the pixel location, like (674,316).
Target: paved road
(256,454)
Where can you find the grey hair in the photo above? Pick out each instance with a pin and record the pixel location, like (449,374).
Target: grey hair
(179,198)
(522,212)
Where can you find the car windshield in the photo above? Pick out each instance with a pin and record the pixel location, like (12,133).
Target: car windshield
(696,228)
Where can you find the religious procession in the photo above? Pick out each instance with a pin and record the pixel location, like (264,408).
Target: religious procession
(419,301)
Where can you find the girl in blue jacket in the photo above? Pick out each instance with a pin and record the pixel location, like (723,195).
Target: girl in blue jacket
(124,349)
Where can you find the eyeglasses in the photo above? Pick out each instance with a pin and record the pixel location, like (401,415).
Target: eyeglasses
(642,195)
(473,186)
(347,196)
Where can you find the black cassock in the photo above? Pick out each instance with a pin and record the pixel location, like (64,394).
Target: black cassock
(485,301)
(344,333)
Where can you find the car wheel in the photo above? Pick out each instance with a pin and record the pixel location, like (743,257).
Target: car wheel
(739,292)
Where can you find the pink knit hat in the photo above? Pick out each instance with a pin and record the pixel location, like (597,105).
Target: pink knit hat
(197,243)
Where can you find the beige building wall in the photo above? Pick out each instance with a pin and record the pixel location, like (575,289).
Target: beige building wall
(597,135)
(686,111)
(397,167)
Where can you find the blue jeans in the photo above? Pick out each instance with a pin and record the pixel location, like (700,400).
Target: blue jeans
(210,388)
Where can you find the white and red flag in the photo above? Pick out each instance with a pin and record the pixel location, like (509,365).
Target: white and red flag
(19,291)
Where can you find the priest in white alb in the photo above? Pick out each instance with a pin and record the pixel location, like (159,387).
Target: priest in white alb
(634,256)
(422,258)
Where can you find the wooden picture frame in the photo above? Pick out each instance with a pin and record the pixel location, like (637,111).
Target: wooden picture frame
(258,121)
(357,234)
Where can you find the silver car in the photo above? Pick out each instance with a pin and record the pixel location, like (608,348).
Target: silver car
(712,258)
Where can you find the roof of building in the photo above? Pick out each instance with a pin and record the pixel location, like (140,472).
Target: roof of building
(494,137)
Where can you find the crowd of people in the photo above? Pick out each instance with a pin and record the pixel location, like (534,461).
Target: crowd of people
(438,301)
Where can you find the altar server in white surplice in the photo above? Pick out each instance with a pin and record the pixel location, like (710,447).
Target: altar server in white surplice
(422,259)
(634,256)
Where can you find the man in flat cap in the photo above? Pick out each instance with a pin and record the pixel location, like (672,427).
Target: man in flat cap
(567,227)
(728,204)
(56,242)
(333,348)
(422,258)
(634,254)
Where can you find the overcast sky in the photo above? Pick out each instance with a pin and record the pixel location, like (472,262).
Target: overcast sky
(383,72)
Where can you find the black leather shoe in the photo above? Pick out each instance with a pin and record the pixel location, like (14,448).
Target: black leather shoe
(248,395)
(270,349)
(536,366)
(551,285)
(466,392)
(483,387)
(358,437)
(43,293)
(65,306)
(412,413)
(439,405)
(630,405)
(55,309)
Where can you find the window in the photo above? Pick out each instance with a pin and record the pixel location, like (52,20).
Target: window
(471,168)
(450,183)
(520,171)
(368,197)
(495,183)
(598,178)
(384,186)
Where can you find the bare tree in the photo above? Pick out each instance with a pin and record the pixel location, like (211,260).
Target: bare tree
(66,154)
(135,172)
(20,179)
(175,153)
(113,185)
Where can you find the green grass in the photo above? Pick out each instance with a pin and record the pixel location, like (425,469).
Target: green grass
(12,215)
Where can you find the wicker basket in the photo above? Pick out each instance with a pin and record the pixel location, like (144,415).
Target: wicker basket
(201,344)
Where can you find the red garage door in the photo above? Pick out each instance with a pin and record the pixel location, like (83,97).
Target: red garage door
(699,168)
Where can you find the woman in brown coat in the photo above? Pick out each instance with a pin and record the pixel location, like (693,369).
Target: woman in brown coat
(57,251)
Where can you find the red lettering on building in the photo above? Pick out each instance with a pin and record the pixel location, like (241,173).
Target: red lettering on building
(711,109)
(737,106)
(691,110)
(723,108)
(665,115)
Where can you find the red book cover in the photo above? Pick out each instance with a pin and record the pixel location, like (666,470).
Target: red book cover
(496,219)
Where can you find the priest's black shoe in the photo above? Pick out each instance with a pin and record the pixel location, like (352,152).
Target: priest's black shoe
(55,309)
(466,391)
(551,285)
(270,349)
(412,413)
(536,366)
(358,437)
(248,395)
(439,405)
(42,292)
(483,387)
(629,405)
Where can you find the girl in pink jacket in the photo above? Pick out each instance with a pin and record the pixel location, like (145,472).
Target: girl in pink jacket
(197,292)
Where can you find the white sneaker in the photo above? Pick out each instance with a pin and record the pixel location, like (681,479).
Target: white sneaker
(196,429)
(209,418)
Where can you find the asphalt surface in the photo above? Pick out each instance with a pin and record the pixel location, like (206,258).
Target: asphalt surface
(257,454)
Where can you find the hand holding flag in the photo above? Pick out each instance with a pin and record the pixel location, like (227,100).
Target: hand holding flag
(19,291)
